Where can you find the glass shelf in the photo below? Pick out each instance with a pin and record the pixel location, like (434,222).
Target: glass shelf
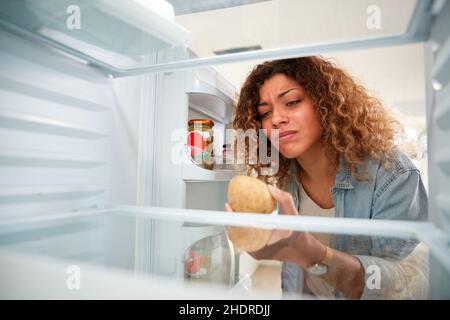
(119,238)
(124,37)
(115,35)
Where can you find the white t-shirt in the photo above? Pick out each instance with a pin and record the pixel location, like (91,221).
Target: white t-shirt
(308,207)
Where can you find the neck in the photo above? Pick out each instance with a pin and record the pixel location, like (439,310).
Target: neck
(315,165)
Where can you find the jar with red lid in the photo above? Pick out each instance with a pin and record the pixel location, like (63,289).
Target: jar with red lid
(201,142)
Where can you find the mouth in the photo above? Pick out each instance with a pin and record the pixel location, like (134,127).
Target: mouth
(287,135)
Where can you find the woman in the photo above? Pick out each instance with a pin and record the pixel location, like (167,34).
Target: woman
(337,158)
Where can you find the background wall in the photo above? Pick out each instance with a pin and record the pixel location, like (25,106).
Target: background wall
(394,74)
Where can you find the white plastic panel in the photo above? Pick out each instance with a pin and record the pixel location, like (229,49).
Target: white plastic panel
(68,134)
(114,34)
(194,173)
(210,94)
(55,129)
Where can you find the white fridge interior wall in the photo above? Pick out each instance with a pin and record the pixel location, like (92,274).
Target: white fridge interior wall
(70,142)
(72,139)
(69,134)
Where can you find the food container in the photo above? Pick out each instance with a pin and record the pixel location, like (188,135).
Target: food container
(196,264)
(201,142)
(210,260)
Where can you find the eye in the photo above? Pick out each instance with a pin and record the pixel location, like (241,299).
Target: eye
(265,115)
(293,103)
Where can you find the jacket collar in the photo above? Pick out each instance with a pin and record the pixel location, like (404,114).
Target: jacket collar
(343,177)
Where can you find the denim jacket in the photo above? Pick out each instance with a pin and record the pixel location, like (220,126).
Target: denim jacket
(396,193)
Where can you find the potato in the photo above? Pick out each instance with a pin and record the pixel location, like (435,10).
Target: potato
(248,239)
(247,194)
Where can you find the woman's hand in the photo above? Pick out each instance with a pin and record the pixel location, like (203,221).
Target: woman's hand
(287,206)
(285,245)
(301,248)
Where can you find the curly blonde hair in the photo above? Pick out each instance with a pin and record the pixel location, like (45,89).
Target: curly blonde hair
(355,125)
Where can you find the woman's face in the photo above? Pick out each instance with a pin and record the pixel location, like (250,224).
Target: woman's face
(284,105)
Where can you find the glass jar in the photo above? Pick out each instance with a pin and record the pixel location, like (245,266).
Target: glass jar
(201,142)
(209,260)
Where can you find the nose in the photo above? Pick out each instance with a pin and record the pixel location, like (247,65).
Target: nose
(279,117)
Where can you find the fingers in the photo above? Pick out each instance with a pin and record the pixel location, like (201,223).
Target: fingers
(278,235)
(227,207)
(275,251)
(284,199)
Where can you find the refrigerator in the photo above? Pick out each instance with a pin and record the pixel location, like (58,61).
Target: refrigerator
(99,194)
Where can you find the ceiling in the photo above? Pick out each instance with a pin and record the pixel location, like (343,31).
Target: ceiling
(281,23)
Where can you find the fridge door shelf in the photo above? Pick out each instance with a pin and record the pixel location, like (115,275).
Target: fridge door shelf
(209,94)
(193,173)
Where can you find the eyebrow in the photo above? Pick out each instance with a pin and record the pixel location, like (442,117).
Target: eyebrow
(263,103)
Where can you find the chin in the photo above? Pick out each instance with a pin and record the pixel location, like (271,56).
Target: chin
(291,153)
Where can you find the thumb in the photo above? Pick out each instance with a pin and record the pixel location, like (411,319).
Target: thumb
(227,207)
(284,199)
